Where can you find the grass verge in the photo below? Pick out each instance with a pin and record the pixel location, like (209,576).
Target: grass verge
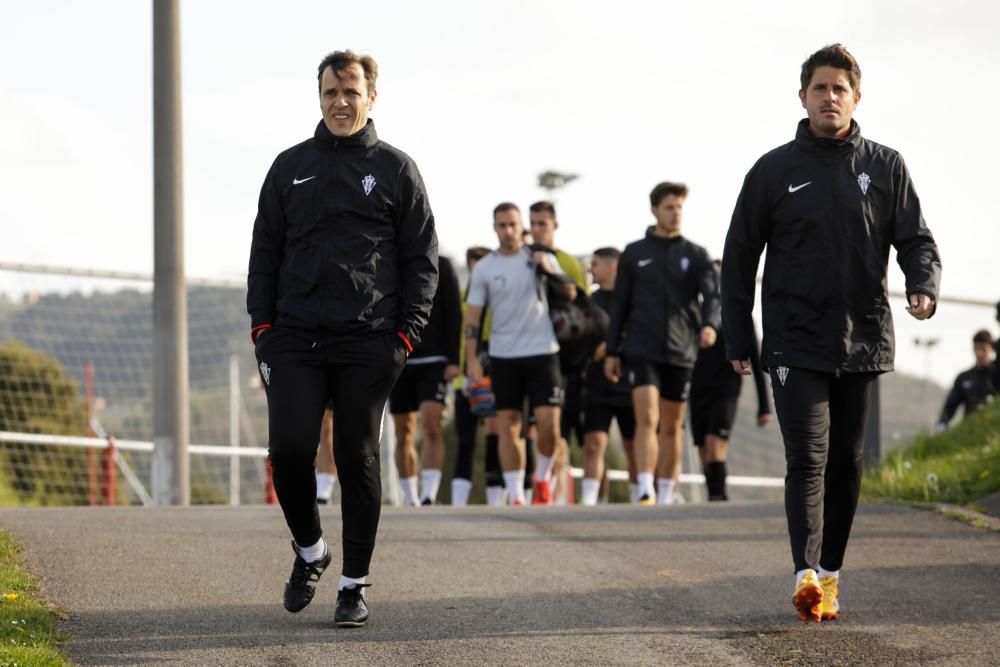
(958,466)
(28,633)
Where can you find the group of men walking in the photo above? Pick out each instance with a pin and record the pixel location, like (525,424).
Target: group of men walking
(349,302)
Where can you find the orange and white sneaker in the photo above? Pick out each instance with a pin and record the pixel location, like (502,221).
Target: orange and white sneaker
(830,607)
(808,597)
(542,494)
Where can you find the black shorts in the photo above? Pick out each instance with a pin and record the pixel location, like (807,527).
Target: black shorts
(714,417)
(673,382)
(597,418)
(536,378)
(418,383)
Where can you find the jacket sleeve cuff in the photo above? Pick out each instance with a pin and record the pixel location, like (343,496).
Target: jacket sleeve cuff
(256,331)
(406,341)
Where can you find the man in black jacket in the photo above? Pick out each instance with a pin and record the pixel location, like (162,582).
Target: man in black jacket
(973,387)
(828,206)
(715,396)
(423,386)
(343,271)
(666,306)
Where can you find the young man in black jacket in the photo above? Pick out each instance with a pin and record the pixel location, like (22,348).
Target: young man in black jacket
(828,206)
(343,271)
(666,306)
(973,387)
(715,396)
(423,386)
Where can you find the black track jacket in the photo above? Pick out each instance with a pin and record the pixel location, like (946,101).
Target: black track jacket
(442,335)
(344,245)
(828,210)
(656,314)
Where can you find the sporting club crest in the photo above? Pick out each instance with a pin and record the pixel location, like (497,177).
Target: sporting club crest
(368,183)
(265,372)
(863,181)
(782,372)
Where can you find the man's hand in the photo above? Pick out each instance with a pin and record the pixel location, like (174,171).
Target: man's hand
(473,370)
(451,372)
(921,306)
(541,260)
(601,351)
(764,419)
(706,338)
(741,366)
(613,368)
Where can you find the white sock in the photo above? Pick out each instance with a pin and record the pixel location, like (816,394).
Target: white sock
(827,573)
(514,481)
(313,553)
(802,573)
(543,468)
(460,489)
(347,582)
(590,489)
(324,485)
(664,491)
(646,487)
(494,496)
(633,493)
(409,487)
(430,480)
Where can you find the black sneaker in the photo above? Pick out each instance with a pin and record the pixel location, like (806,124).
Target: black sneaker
(352,612)
(426,502)
(301,586)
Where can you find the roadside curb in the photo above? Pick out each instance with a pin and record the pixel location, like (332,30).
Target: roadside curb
(971,517)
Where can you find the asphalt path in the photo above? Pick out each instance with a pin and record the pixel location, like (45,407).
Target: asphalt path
(693,584)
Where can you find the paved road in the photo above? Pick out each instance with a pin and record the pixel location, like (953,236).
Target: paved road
(694,584)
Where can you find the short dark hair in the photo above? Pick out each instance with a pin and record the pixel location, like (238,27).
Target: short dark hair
(664,189)
(982,336)
(341,60)
(544,206)
(608,253)
(833,55)
(476,253)
(505,206)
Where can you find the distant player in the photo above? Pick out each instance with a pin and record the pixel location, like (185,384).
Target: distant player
(715,396)
(973,387)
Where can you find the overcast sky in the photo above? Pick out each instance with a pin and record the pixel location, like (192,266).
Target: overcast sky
(484,96)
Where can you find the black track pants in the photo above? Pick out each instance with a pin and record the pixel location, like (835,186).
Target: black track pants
(299,379)
(822,420)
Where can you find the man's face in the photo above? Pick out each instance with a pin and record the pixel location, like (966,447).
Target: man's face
(507,225)
(984,353)
(668,215)
(829,100)
(602,269)
(345,100)
(543,228)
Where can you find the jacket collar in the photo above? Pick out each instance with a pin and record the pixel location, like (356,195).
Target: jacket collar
(363,138)
(825,147)
(651,234)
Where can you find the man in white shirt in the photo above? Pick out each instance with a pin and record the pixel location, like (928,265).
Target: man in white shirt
(523,350)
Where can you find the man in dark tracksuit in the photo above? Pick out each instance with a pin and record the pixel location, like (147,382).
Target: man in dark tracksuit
(343,270)
(715,395)
(423,386)
(973,387)
(828,206)
(666,306)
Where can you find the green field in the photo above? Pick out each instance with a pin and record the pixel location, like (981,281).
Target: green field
(958,466)
(28,633)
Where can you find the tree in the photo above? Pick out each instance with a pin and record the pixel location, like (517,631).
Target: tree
(36,396)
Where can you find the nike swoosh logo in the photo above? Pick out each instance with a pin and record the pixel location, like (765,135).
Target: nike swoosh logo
(796,188)
(645,262)
(296,181)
